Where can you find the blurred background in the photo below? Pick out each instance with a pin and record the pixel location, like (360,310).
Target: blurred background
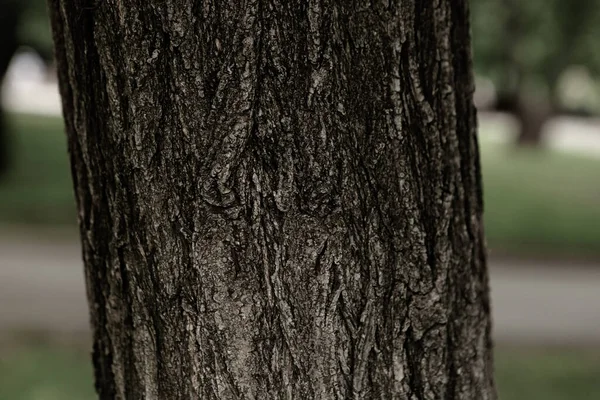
(537,64)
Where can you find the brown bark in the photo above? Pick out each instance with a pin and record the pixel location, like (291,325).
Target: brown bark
(278,199)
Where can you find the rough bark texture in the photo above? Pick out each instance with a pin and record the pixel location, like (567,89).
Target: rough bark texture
(278,199)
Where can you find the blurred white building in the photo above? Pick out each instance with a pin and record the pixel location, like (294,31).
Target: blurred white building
(28,86)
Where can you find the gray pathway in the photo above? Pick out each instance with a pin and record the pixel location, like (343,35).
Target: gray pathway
(42,288)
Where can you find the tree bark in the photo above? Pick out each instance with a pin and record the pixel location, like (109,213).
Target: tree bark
(278,199)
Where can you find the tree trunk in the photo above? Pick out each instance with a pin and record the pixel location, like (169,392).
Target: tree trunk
(278,199)
(532,114)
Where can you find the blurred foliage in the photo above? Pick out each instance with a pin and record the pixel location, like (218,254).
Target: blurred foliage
(528,45)
(34,30)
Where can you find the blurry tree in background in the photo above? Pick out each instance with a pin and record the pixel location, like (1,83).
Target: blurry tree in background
(22,23)
(34,29)
(526,47)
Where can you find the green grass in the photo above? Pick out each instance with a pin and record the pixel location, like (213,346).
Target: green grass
(45,373)
(58,372)
(37,188)
(523,374)
(535,201)
(538,200)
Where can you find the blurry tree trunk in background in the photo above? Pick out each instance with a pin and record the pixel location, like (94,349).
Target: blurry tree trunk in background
(573,20)
(532,114)
(278,200)
(512,74)
(10,10)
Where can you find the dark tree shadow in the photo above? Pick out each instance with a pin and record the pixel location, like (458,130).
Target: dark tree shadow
(10,14)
